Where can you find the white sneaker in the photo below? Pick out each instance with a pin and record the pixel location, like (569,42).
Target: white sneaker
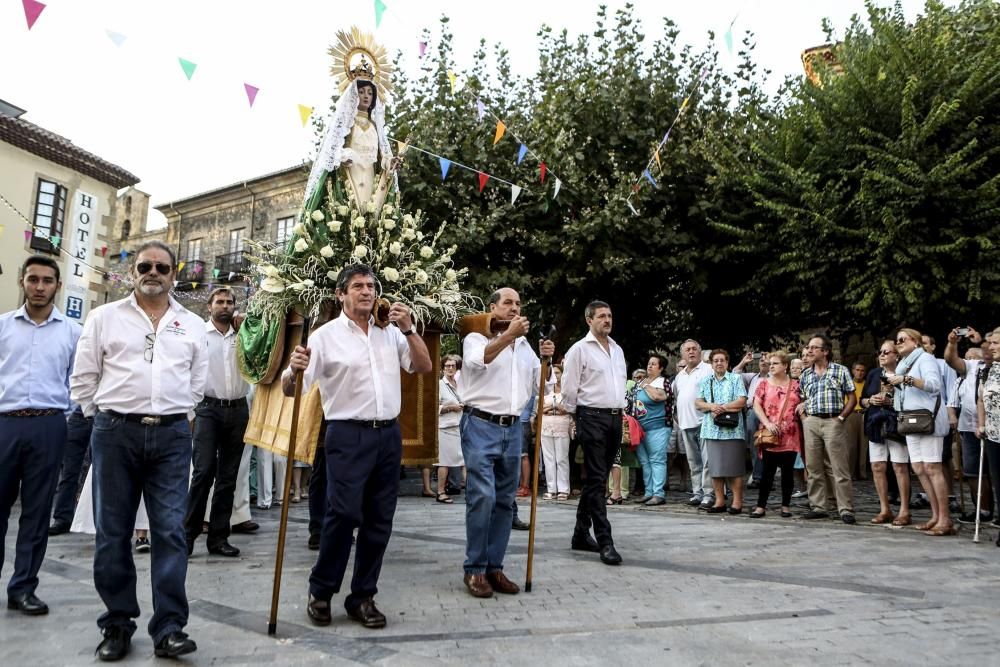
(800,494)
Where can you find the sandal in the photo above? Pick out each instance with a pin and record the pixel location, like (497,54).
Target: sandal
(444,499)
(941,532)
(614,501)
(902,520)
(883,518)
(548,496)
(562,496)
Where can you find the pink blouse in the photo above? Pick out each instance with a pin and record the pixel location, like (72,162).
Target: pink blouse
(771,397)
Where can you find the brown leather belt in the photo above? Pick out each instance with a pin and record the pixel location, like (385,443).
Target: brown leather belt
(32,412)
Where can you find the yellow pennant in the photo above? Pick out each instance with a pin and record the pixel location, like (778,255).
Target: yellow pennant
(399,146)
(194,285)
(304,113)
(684,104)
(501,128)
(180,267)
(452,77)
(1,230)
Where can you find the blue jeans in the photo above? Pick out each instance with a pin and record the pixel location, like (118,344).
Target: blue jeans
(752,424)
(129,460)
(652,455)
(493,464)
(697,456)
(78,430)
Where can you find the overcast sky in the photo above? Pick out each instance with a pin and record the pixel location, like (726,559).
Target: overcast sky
(133,106)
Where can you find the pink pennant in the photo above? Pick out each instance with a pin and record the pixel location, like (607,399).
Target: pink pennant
(32,10)
(27,235)
(423,48)
(251,92)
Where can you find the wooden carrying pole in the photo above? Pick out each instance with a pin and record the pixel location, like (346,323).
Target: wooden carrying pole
(534,470)
(272,623)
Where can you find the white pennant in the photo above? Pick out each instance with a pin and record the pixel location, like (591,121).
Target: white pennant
(634,212)
(515,190)
(231,274)
(175,283)
(556,192)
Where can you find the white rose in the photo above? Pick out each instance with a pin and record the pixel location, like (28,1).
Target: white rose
(332,275)
(342,211)
(270,271)
(301,245)
(420,236)
(451,274)
(326,251)
(272,284)
(361,251)
(371,207)
(407,235)
(389,223)
(426,252)
(408,220)
(395,247)
(358,222)
(334,226)
(421,277)
(299,229)
(387,209)
(391,274)
(318,216)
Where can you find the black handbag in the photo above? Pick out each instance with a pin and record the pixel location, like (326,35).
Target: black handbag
(726,419)
(916,422)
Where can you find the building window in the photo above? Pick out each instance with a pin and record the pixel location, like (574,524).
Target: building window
(236,239)
(126,229)
(50,214)
(193,250)
(128,205)
(285,229)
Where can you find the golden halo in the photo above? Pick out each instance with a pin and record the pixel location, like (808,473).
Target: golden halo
(356,55)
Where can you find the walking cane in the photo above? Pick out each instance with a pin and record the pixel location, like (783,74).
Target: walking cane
(272,623)
(979,489)
(534,472)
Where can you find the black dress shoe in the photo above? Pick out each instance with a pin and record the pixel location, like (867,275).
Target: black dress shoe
(716,509)
(367,614)
(173,645)
(313,543)
(224,549)
(609,556)
(115,644)
(318,610)
(519,525)
(59,528)
(28,604)
(584,542)
(245,527)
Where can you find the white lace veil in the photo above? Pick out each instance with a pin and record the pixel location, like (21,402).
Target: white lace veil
(331,151)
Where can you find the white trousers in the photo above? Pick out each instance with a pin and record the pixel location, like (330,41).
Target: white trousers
(555,455)
(270,470)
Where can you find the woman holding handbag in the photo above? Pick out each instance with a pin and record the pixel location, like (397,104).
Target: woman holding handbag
(920,417)
(722,397)
(779,437)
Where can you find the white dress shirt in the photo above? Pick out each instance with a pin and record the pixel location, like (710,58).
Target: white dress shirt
(592,376)
(685,393)
(358,374)
(224,379)
(116,370)
(504,386)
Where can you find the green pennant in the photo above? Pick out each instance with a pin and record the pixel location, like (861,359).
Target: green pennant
(379,10)
(188,68)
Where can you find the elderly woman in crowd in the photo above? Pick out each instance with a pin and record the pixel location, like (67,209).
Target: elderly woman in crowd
(653,405)
(988,407)
(883,442)
(555,441)
(720,394)
(450,411)
(774,404)
(918,386)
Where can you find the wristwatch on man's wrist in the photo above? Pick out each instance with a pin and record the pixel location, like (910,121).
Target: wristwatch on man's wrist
(840,418)
(408,332)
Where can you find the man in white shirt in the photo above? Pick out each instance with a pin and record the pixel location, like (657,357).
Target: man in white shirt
(220,422)
(356,365)
(140,371)
(689,422)
(499,376)
(593,384)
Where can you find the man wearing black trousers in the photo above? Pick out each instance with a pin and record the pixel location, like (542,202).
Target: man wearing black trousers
(356,365)
(593,385)
(37,345)
(317,492)
(220,422)
(78,430)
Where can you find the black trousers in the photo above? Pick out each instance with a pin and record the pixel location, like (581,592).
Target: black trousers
(600,436)
(317,486)
(773,461)
(218,448)
(71,480)
(362,482)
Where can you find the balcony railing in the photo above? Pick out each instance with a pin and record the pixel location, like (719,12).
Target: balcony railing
(234,262)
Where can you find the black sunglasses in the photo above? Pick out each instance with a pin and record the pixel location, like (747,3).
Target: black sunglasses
(145,267)
(147,353)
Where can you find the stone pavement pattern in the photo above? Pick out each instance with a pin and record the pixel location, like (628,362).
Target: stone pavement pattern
(694,590)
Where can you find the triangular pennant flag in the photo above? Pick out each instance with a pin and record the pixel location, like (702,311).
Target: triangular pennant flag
(55,240)
(251,93)
(32,10)
(515,190)
(215,273)
(27,235)
(175,283)
(445,165)
(422,47)
(649,177)
(104,250)
(180,267)
(399,145)
(198,268)
(379,10)
(116,37)
(480,109)
(635,187)
(501,128)
(665,137)
(123,256)
(541,170)
(188,68)
(452,77)
(632,208)
(482,180)
(304,113)
(684,104)
(194,285)
(555,193)
(656,156)
(232,274)
(521,152)
(1,230)
(729,41)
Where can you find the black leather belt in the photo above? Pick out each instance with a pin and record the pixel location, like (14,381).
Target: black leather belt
(602,411)
(502,420)
(826,415)
(224,402)
(149,420)
(32,412)
(371,423)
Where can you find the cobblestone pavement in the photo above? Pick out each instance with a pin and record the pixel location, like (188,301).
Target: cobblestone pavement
(694,590)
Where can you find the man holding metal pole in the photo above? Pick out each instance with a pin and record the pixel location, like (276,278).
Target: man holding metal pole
(356,365)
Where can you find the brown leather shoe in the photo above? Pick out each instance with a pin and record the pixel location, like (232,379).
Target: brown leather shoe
(478,585)
(318,611)
(367,614)
(501,584)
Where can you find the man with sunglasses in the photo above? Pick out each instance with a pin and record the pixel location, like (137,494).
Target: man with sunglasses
(140,371)
(37,344)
